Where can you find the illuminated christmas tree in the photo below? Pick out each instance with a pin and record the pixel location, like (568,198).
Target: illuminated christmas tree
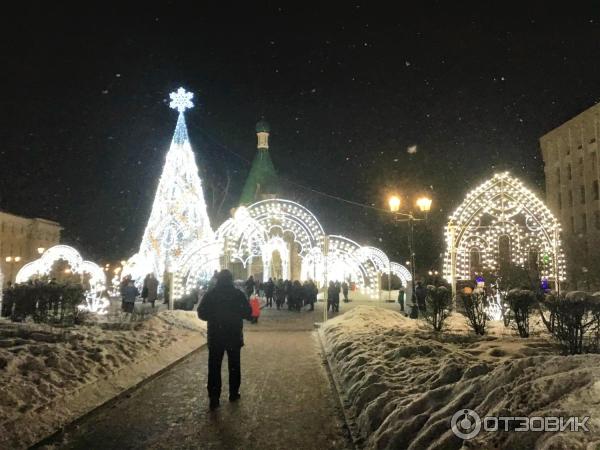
(178,215)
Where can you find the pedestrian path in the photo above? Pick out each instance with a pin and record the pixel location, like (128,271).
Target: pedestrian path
(287,400)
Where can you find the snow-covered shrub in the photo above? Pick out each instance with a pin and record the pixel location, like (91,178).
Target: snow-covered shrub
(521,302)
(574,320)
(44,302)
(438,306)
(474,306)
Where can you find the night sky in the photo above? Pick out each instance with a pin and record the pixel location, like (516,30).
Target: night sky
(347,90)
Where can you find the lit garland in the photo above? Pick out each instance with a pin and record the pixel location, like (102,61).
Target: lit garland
(258,230)
(94,301)
(178,216)
(500,212)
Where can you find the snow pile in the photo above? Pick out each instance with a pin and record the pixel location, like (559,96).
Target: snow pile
(404,383)
(40,365)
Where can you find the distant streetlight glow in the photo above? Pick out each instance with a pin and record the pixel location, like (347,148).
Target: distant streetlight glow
(424,204)
(394,202)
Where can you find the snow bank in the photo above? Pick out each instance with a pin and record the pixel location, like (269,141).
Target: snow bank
(403,383)
(50,376)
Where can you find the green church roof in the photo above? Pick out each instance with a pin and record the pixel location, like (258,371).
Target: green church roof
(262,179)
(263,126)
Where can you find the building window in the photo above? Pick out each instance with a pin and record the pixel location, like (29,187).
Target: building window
(592,140)
(580,146)
(583,223)
(582,193)
(570,198)
(558,175)
(559,201)
(580,166)
(569,172)
(595,193)
(597,219)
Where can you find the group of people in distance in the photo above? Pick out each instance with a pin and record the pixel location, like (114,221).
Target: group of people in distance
(333,295)
(295,294)
(129,292)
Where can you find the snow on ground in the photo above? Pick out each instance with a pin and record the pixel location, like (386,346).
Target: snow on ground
(41,365)
(404,382)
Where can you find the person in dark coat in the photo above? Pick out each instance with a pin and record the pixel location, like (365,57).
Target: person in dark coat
(345,291)
(332,292)
(296,296)
(224,307)
(421,294)
(310,293)
(249,286)
(150,289)
(401,296)
(269,292)
(279,294)
(129,293)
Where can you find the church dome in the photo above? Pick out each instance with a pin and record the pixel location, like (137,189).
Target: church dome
(263,126)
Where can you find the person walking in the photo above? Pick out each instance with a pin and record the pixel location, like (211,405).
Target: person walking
(223,308)
(150,289)
(269,292)
(345,291)
(401,296)
(296,296)
(255,305)
(421,294)
(129,293)
(279,294)
(331,294)
(249,286)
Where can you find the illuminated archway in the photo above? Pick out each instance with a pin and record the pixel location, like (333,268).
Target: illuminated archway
(94,301)
(500,207)
(289,217)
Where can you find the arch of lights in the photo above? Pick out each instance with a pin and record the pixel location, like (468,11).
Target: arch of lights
(94,302)
(197,264)
(260,229)
(502,212)
(289,217)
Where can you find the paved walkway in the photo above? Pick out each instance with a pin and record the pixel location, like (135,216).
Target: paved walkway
(287,400)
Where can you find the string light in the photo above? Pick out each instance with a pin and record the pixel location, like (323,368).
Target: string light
(502,213)
(178,216)
(94,301)
(258,230)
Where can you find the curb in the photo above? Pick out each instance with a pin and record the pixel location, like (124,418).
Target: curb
(349,419)
(56,435)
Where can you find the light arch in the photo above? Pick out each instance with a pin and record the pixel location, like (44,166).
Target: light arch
(290,217)
(499,206)
(94,301)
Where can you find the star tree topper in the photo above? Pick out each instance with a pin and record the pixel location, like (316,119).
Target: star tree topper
(181,100)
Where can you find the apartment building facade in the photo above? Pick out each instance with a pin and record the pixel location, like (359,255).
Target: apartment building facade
(572,170)
(22,240)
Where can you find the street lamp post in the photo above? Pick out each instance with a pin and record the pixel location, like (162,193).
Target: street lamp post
(424,205)
(11,260)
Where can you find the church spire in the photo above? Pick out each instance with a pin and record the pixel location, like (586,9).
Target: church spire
(262,179)
(262,134)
